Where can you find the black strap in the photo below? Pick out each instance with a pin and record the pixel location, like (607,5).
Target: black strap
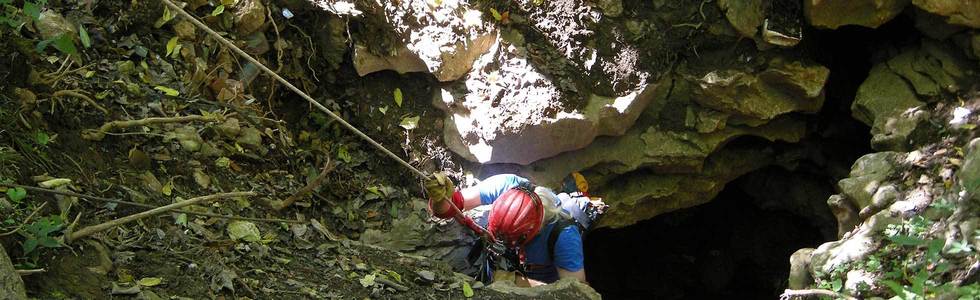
(556,230)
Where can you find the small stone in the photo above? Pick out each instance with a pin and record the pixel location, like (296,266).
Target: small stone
(124,290)
(185,30)
(188,138)
(230,127)
(201,178)
(426,275)
(249,16)
(250,136)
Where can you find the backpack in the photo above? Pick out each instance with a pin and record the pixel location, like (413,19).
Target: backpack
(593,210)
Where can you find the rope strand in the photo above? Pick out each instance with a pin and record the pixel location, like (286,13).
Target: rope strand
(296,90)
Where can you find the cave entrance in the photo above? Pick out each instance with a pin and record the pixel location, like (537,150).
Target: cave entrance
(736,246)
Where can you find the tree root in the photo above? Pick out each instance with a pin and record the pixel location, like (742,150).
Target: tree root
(87,231)
(79,95)
(306,190)
(99,134)
(790,294)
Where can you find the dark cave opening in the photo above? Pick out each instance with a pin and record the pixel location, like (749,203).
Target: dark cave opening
(734,246)
(738,245)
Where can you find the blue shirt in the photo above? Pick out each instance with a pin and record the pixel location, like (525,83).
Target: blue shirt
(568,247)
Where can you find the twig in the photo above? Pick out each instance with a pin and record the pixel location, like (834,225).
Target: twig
(99,134)
(87,231)
(327,167)
(395,285)
(788,294)
(37,189)
(30,272)
(28,219)
(76,94)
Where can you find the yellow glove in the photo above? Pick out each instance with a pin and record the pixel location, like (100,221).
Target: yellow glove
(439,187)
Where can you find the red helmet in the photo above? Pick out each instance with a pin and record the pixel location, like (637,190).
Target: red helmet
(516,217)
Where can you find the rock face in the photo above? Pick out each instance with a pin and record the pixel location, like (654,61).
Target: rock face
(889,98)
(959,12)
(11,286)
(868,13)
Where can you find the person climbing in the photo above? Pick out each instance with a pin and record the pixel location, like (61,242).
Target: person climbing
(517,227)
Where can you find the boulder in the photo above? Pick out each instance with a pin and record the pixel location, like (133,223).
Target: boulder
(969,174)
(11,286)
(855,247)
(890,99)
(958,12)
(799,269)
(836,13)
(745,15)
(868,173)
(446,38)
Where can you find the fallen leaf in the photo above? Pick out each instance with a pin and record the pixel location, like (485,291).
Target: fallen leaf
(244,230)
(218,10)
(426,275)
(467,290)
(171,45)
(367,280)
(168,188)
(168,91)
(83,35)
(398,96)
(150,281)
(409,123)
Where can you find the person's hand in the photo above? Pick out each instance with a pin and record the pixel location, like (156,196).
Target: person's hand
(439,187)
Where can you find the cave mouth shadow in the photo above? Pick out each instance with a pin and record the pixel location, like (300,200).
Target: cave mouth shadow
(736,246)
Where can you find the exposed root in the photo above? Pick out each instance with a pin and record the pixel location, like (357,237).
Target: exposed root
(99,134)
(30,272)
(791,294)
(79,95)
(87,231)
(306,190)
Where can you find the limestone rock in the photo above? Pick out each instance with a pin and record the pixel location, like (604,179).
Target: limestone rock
(446,38)
(880,102)
(783,87)
(799,269)
(403,61)
(889,98)
(862,242)
(745,15)
(959,12)
(835,13)
(867,174)
(11,286)
(970,172)
(525,119)
(567,288)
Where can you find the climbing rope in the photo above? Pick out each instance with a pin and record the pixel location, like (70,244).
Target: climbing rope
(296,90)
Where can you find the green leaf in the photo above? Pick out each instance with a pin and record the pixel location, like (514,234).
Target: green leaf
(42,45)
(409,123)
(48,242)
(32,9)
(906,240)
(218,10)
(65,44)
(16,194)
(42,138)
(398,97)
(395,275)
(29,245)
(166,17)
(83,35)
(168,91)
(171,45)
(467,290)
(343,154)
(496,14)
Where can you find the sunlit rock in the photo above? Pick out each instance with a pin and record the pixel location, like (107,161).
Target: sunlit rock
(835,13)
(959,12)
